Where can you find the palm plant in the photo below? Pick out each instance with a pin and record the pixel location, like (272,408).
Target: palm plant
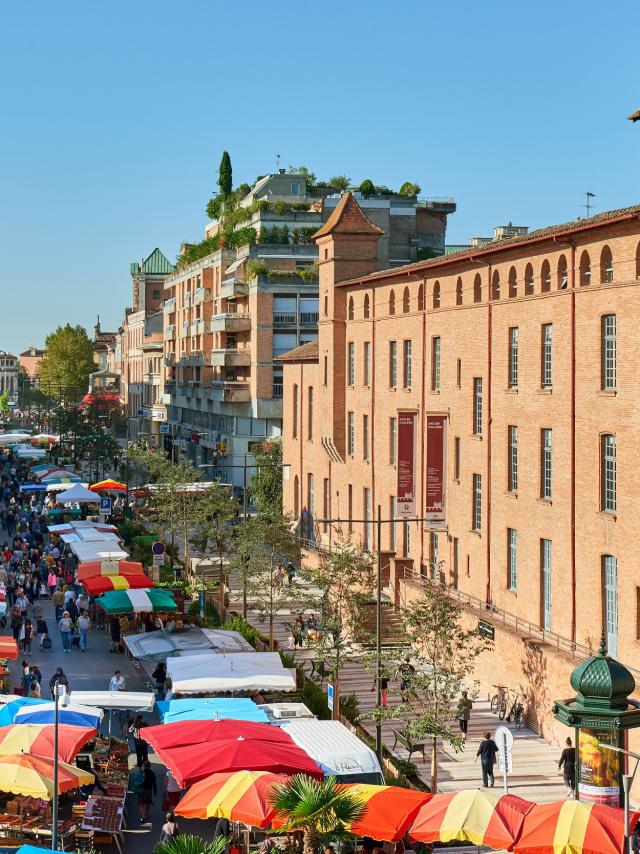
(190,844)
(322,809)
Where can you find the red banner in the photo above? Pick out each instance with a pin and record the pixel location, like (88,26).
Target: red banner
(436,434)
(406,489)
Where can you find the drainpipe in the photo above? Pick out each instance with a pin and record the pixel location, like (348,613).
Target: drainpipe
(372,411)
(489,419)
(422,420)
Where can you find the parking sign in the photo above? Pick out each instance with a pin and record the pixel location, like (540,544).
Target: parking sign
(105,505)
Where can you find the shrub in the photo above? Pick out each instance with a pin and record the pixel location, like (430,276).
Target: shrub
(410,189)
(350,707)
(367,189)
(128,530)
(248,632)
(211,615)
(315,700)
(279,206)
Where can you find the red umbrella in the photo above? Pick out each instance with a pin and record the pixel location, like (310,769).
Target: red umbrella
(99,584)
(186,733)
(8,648)
(91,569)
(191,764)
(38,739)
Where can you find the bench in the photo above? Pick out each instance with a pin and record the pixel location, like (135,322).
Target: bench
(408,743)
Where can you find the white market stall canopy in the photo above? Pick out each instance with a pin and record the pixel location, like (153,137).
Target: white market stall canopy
(241,671)
(135,701)
(108,550)
(335,748)
(78,494)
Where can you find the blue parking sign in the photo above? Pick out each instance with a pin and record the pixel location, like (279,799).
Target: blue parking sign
(105,505)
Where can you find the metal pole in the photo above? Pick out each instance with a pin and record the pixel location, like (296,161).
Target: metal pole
(379,636)
(244,519)
(505,763)
(627,780)
(56,759)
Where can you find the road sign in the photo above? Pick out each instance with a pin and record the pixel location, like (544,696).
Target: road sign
(330,696)
(503,737)
(158,548)
(165,428)
(158,560)
(105,505)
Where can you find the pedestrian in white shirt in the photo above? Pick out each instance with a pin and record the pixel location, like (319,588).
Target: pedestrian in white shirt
(117,682)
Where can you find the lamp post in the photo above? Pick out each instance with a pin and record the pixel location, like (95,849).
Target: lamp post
(627,782)
(58,696)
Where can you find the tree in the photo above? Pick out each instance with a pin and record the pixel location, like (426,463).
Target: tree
(213,528)
(322,809)
(340,183)
(4,402)
(98,449)
(265,487)
(409,189)
(68,361)
(185,843)
(225,175)
(367,188)
(434,629)
(345,578)
(309,177)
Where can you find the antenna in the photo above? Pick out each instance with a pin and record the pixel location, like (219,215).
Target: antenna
(277,162)
(588,196)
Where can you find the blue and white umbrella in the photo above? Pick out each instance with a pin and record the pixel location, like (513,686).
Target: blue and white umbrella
(73,714)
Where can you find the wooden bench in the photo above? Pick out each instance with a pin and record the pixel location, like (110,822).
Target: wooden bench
(408,743)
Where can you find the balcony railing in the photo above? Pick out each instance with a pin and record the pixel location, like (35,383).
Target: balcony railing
(277,389)
(230,322)
(169,332)
(170,305)
(230,357)
(284,319)
(309,317)
(231,392)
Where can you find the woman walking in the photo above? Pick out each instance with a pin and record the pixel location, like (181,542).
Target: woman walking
(568,760)
(464,712)
(66,627)
(84,624)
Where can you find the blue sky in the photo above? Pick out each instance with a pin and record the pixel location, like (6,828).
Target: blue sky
(113,117)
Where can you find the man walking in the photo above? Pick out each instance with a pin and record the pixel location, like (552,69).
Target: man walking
(487,753)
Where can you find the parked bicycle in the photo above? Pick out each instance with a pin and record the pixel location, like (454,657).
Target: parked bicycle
(499,701)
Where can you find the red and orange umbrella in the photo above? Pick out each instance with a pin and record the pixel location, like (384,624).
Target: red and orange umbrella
(389,811)
(186,733)
(91,569)
(8,648)
(108,485)
(477,817)
(238,796)
(38,739)
(32,776)
(99,584)
(573,827)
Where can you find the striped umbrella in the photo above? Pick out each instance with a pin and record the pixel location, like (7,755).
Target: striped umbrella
(74,714)
(8,648)
(573,827)
(108,485)
(237,796)
(93,568)
(477,817)
(103,583)
(136,601)
(38,739)
(32,776)
(389,812)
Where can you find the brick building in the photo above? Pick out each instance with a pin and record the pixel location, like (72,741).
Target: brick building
(30,362)
(529,349)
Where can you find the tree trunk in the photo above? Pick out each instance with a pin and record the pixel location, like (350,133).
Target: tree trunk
(311,842)
(434,765)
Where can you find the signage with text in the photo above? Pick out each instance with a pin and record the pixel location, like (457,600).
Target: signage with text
(436,440)
(406,486)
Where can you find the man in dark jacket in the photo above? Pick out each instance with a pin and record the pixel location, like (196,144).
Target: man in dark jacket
(487,753)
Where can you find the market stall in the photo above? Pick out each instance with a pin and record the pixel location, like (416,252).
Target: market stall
(137,601)
(211,673)
(210,709)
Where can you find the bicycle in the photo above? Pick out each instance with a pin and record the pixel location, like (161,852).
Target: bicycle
(518,715)
(499,701)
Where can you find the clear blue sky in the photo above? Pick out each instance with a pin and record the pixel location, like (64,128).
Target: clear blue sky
(113,117)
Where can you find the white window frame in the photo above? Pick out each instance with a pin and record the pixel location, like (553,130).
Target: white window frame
(476,516)
(477,406)
(513,356)
(609,503)
(546,463)
(609,351)
(512,558)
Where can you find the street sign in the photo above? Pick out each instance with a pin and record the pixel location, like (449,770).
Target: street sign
(105,505)
(330,696)
(165,428)
(158,560)
(503,737)
(158,548)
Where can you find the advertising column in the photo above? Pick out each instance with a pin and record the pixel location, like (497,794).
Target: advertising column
(599,769)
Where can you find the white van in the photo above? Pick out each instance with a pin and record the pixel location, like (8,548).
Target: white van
(338,752)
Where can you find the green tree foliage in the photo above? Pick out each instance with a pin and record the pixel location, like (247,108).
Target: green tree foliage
(322,809)
(309,177)
(213,523)
(214,207)
(4,402)
(340,183)
(185,843)
(265,487)
(100,451)
(410,189)
(68,361)
(225,175)
(367,188)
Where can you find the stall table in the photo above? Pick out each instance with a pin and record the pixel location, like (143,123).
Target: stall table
(32,829)
(105,816)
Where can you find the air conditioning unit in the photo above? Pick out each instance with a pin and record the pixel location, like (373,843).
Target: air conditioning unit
(287,711)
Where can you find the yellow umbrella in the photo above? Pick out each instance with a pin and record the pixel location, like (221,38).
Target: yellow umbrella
(32,776)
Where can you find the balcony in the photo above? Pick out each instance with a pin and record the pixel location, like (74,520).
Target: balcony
(197,328)
(152,379)
(285,319)
(169,332)
(170,360)
(170,305)
(309,318)
(191,359)
(228,358)
(277,389)
(230,322)
(231,289)
(231,392)
(183,331)
(186,302)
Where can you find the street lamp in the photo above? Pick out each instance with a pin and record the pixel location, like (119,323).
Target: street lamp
(627,782)
(59,696)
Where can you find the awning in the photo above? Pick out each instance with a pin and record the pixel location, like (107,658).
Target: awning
(242,671)
(210,708)
(233,267)
(137,701)
(136,601)
(78,494)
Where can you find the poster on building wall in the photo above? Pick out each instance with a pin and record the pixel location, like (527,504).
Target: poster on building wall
(599,768)
(406,487)
(436,442)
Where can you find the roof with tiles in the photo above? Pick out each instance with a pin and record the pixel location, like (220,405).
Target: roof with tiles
(348,218)
(308,352)
(499,245)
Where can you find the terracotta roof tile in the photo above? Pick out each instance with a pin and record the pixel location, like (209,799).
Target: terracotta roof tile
(634,117)
(348,218)
(308,352)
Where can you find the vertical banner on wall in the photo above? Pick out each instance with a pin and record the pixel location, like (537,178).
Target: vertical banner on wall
(406,491)
(436,441)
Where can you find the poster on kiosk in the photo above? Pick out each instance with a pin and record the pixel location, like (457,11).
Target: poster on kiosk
(436,441)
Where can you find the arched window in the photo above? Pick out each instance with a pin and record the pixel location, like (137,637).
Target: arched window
(366,306)
(606,265)
(436,295)
(495,285)
(421,298)
(563,274)
(406,301)
(585,269)
(638,261)
(459,291)
(545,277)
(528,280)
(513,282)
(350,312)
(296,497)
(392,303)
(477,288)
(326,306)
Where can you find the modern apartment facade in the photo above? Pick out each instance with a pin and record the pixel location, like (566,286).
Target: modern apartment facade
(523,353)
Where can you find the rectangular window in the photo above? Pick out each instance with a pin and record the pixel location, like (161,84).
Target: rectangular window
(545,583)
(608,473)
(609,351)
(476,515)
(546,379)
(434,555)
(393,364)
(350,507)
(310,412)
(351,433)
(351,363)
(326,500)
(545,463)
(512,473)
(295,412)
(513,357)
(477,406)
(393,512)
(610,591)
(512,559)
(435,364)
(459,373)
(367,543)
(393,441)
(365,437)
(456,458)
(366,373)
(406,364)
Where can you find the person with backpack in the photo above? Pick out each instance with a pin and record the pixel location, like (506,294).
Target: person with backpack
(84,624)
(145,788)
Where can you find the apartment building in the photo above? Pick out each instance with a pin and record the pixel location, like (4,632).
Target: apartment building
(232,313)
(490,393)
(30,362)
(9,375)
